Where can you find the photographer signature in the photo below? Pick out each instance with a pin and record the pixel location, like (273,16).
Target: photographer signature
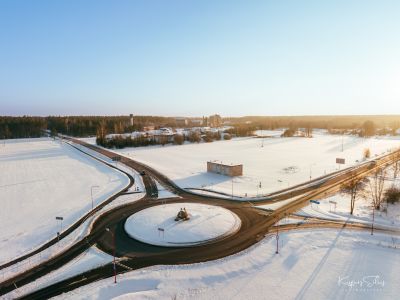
(364,282)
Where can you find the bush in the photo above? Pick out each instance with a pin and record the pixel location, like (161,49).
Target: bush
(392,195)
(178,139)
(209,137)
(288,133)
(194,137)
(227,136)
(367,153)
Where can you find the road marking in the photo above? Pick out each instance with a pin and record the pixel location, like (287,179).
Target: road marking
(121,265)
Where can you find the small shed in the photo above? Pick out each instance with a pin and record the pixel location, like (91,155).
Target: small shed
(224,169)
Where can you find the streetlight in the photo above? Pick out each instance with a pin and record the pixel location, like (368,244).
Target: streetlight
(232,187)
(58,233)
(311,165)
(342,139)
(373,219)
(258,186)
(277,236)
(115,267)
(91,192)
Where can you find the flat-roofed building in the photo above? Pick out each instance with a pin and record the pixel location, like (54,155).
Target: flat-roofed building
(224,169)
(181,122)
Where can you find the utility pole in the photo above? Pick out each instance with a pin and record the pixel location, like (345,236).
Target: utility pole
(373,219)
(262,137)
(91,192)
(59,232)
(232,187)
(277,237)
(342,139)
(114,246)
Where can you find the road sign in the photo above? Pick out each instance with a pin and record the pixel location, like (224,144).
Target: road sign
(340,161)
(333,202)
(59,218)
(161,231)
(314,201)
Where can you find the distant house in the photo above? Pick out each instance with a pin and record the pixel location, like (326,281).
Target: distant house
(162,135)
(223,169)
(196,122)
(148,128)
(215,121)
(181,122)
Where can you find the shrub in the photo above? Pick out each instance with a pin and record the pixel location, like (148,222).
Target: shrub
(392,195)
(288,133)
(367,153)
(227,136)
(209,137)
(178,139)
(194,137)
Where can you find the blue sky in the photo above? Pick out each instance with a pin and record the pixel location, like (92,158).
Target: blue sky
(195,58)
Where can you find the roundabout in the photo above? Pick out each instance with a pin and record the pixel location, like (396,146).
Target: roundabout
(182,224)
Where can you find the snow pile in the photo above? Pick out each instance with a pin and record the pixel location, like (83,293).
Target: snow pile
(157,226)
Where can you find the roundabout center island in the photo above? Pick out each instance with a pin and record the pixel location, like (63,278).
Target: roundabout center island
(182,224)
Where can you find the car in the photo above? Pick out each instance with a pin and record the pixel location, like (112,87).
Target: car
(142,172)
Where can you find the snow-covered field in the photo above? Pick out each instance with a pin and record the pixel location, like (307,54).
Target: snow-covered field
(41,179)
(206,223)
(337,207)
(280,163)
(318,264)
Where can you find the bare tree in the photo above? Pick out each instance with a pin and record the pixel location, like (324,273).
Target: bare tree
(354,187)
(308,131)
(376,187)
(367,153)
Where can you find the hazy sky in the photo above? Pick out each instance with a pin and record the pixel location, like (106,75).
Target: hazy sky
(199,57)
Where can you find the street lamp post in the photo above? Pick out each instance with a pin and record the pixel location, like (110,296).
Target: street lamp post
(277,237)
(373,219)
(311,165)
(342,139)
(91,192)
(59,232)
(232,187)
(114,265)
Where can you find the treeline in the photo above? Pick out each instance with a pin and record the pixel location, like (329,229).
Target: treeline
(88,125)
(21,127)
(390,123)
(119,141)
(79,126)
